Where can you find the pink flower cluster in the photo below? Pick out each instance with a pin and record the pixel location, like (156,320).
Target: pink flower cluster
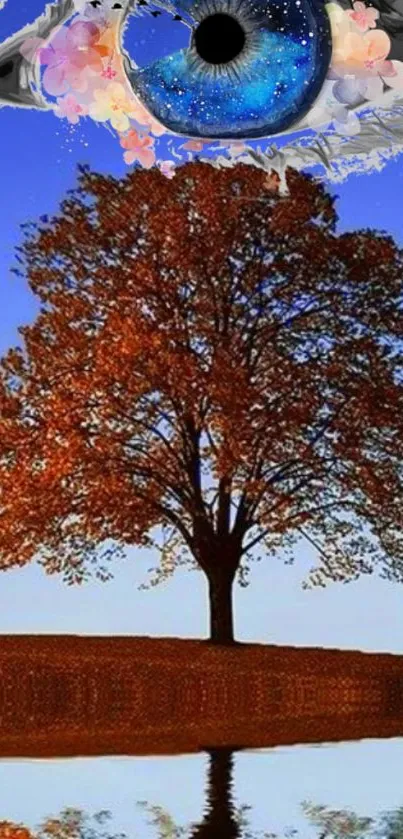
(360,69)
(364,17)
(72,58)
(83,70)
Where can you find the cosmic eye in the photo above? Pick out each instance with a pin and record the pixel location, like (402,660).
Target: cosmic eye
(253,68)
(223,70)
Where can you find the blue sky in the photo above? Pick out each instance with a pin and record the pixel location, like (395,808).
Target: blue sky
(38,160)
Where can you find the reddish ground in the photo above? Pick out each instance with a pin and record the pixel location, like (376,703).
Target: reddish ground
(66,694)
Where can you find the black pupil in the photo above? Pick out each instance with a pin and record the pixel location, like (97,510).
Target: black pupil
(219,38)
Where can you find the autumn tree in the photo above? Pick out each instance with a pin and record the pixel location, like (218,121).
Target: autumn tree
(212,362)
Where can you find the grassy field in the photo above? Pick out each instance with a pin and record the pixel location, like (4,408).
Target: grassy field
(66,694)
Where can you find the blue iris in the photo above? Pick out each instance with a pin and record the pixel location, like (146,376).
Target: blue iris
(253,68)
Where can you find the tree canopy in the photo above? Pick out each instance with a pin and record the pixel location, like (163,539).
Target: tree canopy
(214,359)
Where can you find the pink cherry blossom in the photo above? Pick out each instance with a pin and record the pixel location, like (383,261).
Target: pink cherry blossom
(195,145)
(236,147)
(138,148)
(167,167)
(361,55)
(153,125)
(145,122)
(112,104)
(68,108)
(363,16)
(70,55)
(109,72)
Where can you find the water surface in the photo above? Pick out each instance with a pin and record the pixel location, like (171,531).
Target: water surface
(217,794)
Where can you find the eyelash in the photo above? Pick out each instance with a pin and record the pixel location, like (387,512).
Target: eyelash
(97,3)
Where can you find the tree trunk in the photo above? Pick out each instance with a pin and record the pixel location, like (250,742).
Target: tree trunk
(220,819)
(220,584)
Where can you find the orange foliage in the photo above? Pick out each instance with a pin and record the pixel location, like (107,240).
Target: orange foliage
(205,323)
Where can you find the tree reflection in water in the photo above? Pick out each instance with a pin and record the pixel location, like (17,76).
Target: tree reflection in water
(222,820)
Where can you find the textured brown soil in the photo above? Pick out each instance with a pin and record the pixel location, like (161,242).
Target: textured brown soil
(70,695)
(178,652)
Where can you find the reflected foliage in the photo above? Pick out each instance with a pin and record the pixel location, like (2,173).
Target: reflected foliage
(221,819)
(334,823)
(165,827)
(75,824)
(71,823)
(321,823)
(391,825)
